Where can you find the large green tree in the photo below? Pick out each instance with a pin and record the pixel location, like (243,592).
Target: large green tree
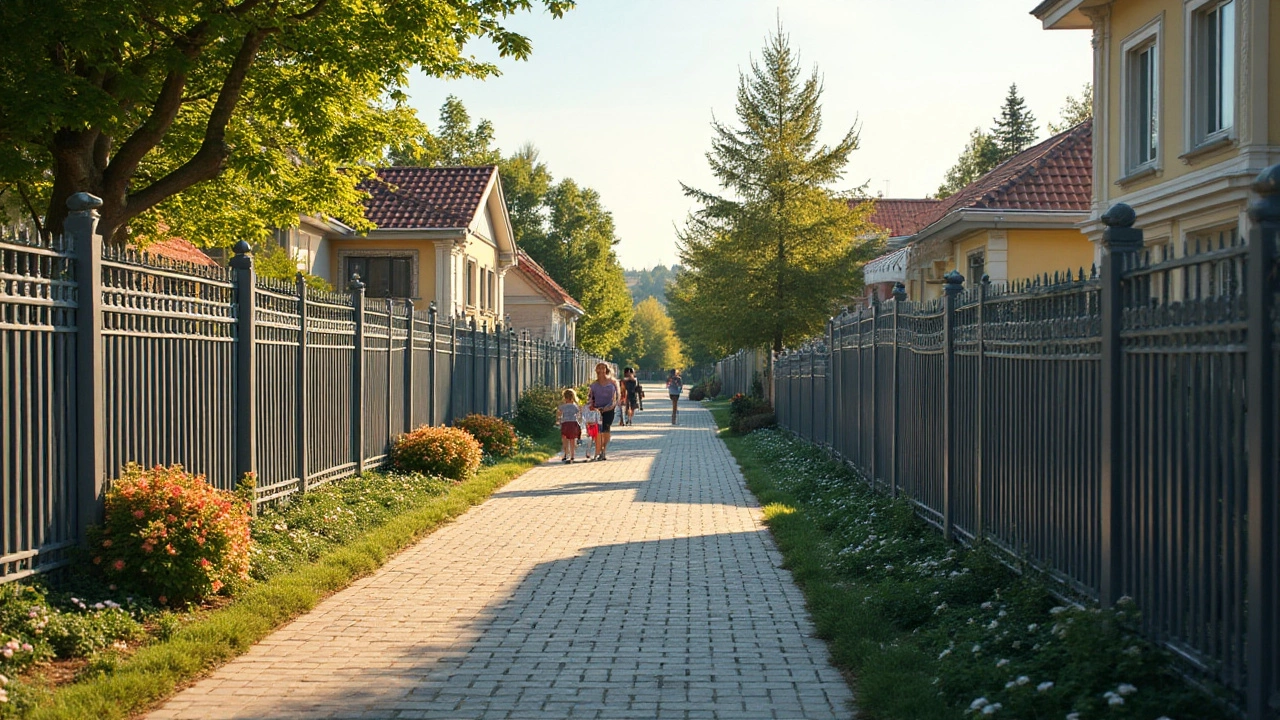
(1013,131)
(652,343)
(979,157)
(220,117)
(1015,128)
(454,142)
(694,322)
(770,258)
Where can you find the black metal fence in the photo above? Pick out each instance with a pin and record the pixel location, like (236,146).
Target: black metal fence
(109,357)
(1116,430)
(738,371)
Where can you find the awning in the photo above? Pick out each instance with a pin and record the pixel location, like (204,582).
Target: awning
(890,267)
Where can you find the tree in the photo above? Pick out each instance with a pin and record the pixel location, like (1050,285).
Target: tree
(211,115)
(526,181)
(693,322)
(1075,110)
(652,343)
(1015,129)
(769,261)
(651,283)
(980,156)
(455,141)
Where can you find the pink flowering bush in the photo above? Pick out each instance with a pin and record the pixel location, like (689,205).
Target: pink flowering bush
(171,535)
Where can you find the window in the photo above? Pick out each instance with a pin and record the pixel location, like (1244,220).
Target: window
(472,282)
(1213,71)
(977,267)
(383,276)
(493,290)
(1142,127)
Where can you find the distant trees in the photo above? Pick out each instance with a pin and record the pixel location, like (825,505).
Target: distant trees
(767,261)
(1013,131)
(652,343)
(651,283)
(1075,110)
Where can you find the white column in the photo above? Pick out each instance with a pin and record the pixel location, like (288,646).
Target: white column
(997,260)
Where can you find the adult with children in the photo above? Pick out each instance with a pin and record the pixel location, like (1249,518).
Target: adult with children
(675,386)
(568,415)
(603,395)
(630,395)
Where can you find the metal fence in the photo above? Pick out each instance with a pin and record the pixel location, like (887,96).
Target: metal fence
(738,371)
(109,357)
(1116,430)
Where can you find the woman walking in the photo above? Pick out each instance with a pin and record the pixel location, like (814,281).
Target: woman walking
(675,386)
(630,395)
(603,396)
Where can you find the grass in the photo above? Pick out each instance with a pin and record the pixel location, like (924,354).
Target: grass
(159,669)
(928,629)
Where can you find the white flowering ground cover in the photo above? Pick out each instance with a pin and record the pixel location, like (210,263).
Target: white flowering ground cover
(928,629)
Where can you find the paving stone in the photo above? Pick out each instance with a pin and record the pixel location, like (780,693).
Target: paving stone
(645,586)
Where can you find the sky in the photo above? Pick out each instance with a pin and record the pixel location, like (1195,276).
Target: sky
(619,94)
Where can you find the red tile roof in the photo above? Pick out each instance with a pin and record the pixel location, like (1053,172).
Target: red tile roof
(903,216)
(179,250)
(426,197)
(538,277)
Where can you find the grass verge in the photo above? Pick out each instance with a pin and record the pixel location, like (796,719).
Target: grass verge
(931,630)
(158,669)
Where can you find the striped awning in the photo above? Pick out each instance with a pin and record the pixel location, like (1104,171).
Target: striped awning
(890,267)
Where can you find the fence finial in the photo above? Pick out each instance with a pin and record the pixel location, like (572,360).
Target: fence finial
(1121,236)
(899,292)
(356,283)
(1266,208)
(83,202)
(954,282)
(243,255)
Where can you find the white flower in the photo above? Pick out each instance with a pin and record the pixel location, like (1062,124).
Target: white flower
(977,704)
(1058,610)
(1126,689)
(1115,701)
(1073,716)
(1033,627)
(1009,684)
(1023,680)
(1002,613)
(976,648)
(940,608)
(987,605)
(4,695)
(1045,686)
(944,653)
(991,709)
(993,624)
(4,680)
(1002,662)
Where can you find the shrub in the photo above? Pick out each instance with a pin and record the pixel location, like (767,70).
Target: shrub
(443,451)
(24,613)
(713,386)
(536,411)
(73,634)
(170,535)
(496,436)
(748,423)
(698,392)
(747,413)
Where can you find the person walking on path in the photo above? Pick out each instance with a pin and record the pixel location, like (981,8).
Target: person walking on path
(568,415)
(603,396)
(630,395)
(675,386)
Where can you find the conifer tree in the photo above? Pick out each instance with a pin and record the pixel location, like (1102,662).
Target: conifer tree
(979,157)
(771,258)
(1015,129)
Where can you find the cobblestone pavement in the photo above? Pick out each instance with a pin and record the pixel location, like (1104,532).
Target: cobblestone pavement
(640,587)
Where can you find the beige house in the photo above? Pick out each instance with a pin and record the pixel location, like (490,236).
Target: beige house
(538,304)
(442,235)
(1187,106)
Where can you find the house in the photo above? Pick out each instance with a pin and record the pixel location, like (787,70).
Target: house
(900,218)
(179,250)
(442,235)
(1018,221)
(538,304)
(1187,105)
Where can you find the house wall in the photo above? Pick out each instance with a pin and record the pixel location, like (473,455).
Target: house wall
(425,249)
(1273,76)
(1036,252)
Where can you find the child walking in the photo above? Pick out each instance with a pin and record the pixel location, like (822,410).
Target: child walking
(568,415)
(591,417)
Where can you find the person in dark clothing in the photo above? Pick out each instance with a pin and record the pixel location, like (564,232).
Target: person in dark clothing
(630,395)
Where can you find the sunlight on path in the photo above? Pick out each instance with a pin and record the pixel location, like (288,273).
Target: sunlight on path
(640,587)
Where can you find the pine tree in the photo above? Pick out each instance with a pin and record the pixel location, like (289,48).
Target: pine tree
(770,260)
(1015,129)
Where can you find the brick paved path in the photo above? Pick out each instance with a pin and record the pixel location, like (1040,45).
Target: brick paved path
(640,587)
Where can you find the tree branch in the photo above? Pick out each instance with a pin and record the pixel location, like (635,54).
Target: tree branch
(213,152)
(31,208)
(312,12)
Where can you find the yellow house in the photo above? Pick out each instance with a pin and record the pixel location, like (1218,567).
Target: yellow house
(442,235)
(1016,222)
(1187,102)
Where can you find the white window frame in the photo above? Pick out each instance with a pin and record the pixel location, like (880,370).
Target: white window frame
(1149,35)
(472,289)
(1196,73)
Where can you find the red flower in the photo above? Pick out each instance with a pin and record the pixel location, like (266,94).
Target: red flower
(118,565)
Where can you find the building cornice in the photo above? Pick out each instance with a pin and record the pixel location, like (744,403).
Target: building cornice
(961,221)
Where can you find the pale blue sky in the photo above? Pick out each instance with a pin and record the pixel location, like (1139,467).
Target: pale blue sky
(619,94)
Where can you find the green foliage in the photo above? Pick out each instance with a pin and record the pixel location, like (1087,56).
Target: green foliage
(705,389)
(24,615)
(443,451)
(455,141)
(73,634)
(652,342)
(536,410)
(272,261)
(222,119)
(932,629)
(979,157)
(1015,128)
(767,262)
(749,412)
(702,341)
(1075,110)
(651,283)
(170,535)
(496,436)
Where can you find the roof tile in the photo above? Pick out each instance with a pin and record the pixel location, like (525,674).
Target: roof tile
(539,278)
(429,198)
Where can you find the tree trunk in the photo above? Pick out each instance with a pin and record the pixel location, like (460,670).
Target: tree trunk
(74,172)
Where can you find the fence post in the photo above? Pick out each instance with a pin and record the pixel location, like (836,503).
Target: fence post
(837,383)
(1120,242)
(391,336)
(81,226)
(475,364)
(899,297)
(246,371)
(499,400)
(1263,699)
(484,385)
(951,293)
(453,368)
(431,362)
(408,365)
(875,390)
(303,382)
(981,418)
(357,374)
